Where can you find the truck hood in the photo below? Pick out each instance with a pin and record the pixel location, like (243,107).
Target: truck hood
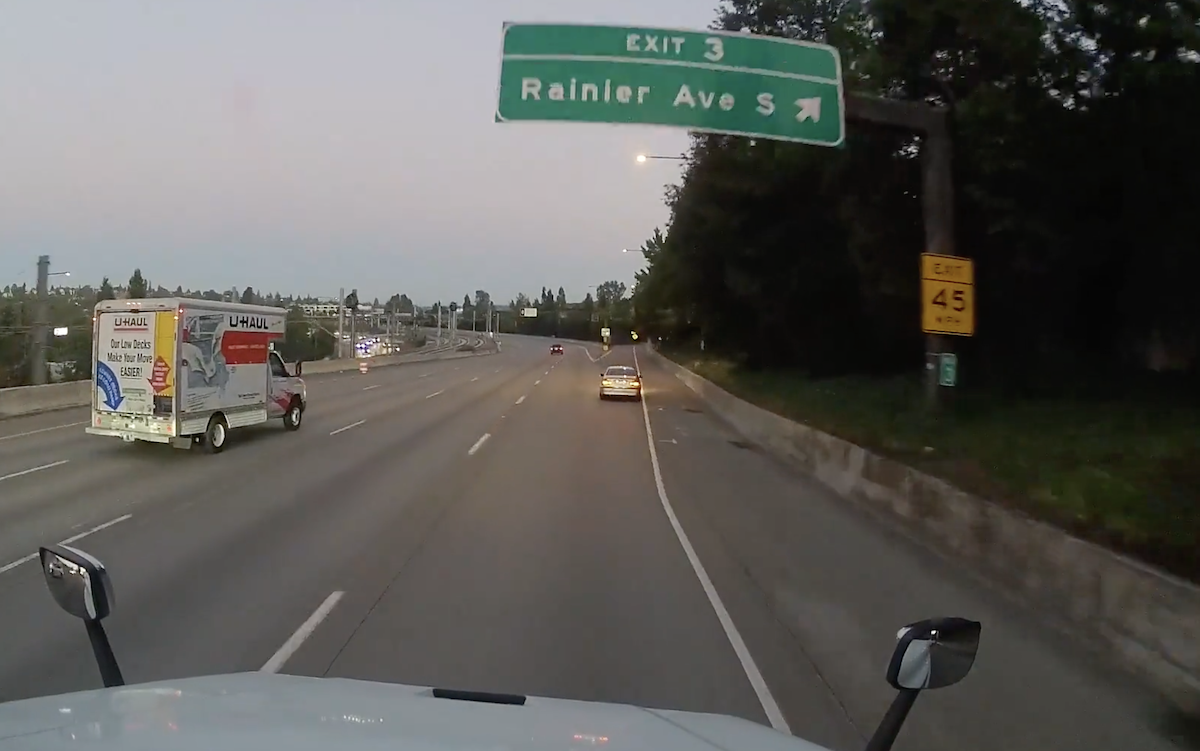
(268,712)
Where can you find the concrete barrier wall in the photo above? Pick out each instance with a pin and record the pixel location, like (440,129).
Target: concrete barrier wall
(30,400)
(1148,621)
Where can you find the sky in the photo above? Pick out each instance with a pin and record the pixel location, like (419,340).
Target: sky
(303,146)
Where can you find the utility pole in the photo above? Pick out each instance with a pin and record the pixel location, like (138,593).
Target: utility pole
(40,314)
(351,303)
(341,318)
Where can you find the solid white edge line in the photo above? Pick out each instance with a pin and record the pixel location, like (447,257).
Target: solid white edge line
(753,674)
(41,430)
(30,471)
(478,444)
(68,541)
(301,635)
(347,427)
(10,566)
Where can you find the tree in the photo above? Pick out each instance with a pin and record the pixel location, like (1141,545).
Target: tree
(304,341)
(106,291)
(248,296)
(560,300)
(138,286)
(1040,96)
(610,293)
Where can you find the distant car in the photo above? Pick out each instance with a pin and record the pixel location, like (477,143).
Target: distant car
(621,381)
(556,349)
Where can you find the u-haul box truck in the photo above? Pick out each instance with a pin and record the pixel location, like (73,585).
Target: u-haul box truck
(184,372)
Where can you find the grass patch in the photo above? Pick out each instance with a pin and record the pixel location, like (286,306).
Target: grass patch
(1122,473)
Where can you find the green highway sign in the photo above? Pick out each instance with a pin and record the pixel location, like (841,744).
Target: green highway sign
(947,369)
(711,81)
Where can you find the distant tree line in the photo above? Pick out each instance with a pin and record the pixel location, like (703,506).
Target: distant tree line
(609,307)
(71,308)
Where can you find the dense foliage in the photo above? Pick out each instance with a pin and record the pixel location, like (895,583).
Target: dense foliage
(1075,169)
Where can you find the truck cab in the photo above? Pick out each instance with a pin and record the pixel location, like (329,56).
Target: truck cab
(288,394)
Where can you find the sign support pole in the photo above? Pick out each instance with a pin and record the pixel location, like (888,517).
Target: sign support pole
(937,193)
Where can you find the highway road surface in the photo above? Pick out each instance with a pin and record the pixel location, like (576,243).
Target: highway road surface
(488,523)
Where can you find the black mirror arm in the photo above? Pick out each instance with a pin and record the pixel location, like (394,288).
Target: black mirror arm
(889,726)
(110,672)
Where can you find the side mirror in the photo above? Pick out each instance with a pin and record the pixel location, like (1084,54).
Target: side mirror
(78,582)
(80,585)
(933,653)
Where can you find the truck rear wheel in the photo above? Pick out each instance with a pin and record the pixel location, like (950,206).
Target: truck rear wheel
(293,415)
(215,435)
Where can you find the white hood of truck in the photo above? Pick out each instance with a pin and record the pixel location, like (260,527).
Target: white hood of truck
(264,712)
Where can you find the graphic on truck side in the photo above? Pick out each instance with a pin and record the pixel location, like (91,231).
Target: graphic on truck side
(223,358)
(162,372)
(200,348)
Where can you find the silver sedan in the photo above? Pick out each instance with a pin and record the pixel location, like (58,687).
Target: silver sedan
(620,381)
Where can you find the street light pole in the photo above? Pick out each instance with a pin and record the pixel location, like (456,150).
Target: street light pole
(38,376)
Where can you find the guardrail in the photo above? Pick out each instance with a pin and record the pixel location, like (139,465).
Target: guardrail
(31,400)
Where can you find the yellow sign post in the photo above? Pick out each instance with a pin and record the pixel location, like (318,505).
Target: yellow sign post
(947,295)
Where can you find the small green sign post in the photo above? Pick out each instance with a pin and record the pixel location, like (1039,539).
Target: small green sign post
(947,369)
(711,81)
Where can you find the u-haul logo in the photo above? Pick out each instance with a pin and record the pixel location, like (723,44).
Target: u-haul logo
(131,322)
(248,323)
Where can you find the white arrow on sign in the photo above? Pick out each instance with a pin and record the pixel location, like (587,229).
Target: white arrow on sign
(810,109)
